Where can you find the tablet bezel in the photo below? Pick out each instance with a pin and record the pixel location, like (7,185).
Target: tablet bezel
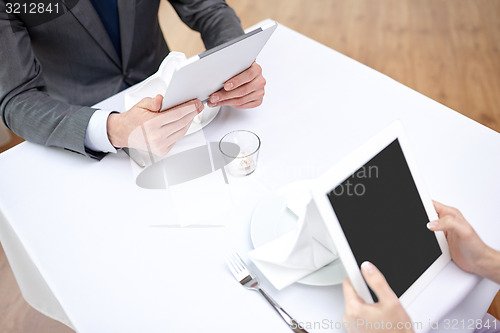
(339,173)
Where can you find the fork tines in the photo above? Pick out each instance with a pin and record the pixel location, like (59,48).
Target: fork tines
(237,266)
(235,263)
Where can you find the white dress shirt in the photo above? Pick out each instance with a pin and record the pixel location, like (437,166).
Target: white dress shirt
(96,137)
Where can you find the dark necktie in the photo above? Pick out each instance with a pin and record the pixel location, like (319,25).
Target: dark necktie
(108,12)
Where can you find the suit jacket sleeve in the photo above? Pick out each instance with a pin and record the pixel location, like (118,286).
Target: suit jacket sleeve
(214,19)
(25,105)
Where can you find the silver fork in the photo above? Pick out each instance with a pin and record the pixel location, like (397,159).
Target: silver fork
(248,279)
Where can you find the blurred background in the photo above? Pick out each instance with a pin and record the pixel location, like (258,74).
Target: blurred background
(448,50)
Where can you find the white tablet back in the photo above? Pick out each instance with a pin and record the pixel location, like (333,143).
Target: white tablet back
(207,72)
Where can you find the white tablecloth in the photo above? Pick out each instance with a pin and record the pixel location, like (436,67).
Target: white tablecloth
(93,249)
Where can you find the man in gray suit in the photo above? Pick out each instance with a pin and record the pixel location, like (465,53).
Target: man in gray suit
(55,64)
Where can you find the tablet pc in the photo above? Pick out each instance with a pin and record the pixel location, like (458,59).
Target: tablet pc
(205,73)
(376,209)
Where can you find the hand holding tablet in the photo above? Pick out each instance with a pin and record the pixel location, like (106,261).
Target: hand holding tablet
(225,75)
(376,209)
(243,91)
(388,314)
(468,251)
(145,128)
(228,67)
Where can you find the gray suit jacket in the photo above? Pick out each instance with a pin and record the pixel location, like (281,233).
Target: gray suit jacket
(54,66)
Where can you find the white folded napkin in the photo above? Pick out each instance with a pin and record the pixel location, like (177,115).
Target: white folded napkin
(299,252)
(156,83)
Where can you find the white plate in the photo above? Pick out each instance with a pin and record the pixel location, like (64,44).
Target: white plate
(272,219)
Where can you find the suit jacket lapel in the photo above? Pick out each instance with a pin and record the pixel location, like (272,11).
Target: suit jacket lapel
(85,13)
(126,12)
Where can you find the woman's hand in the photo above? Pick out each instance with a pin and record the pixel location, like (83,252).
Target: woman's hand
(387,315)
(467,250)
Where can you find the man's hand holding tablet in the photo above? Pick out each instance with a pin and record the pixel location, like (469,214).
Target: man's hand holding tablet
(145,128)
(243,91)
(129,129)
(224,75)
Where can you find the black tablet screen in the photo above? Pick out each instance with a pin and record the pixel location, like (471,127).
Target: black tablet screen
(384,220)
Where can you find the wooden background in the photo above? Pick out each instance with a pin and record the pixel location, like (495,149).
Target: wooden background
(448,50)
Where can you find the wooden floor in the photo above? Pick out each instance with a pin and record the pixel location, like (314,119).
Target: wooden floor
(449,50)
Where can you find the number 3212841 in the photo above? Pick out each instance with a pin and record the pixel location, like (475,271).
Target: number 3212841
(31,8)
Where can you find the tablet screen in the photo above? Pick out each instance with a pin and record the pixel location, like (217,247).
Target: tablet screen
(384,221)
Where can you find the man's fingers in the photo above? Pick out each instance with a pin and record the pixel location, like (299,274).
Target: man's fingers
(191,108)
(245,90)
(250,105)
(169,143)
(256,85)
(161,138)
(151,104)
(196,103)
(157,100)
(376,281)
(223,97)
(255,95)
(177,117)
(244,77)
